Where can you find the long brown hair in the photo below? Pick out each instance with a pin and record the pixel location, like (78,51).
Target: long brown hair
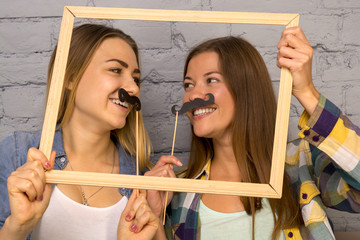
(85,40)
(249,83)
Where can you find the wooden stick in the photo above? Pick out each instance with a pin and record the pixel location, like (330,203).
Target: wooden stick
(137,147)
(172,153)
(173,143)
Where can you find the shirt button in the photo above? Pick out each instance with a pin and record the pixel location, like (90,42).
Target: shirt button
(304,196)
(62,159)
(306,132)
(316,138)
(290,234)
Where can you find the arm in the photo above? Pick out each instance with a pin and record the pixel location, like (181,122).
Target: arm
(333,140)
(334,143)
(28,195)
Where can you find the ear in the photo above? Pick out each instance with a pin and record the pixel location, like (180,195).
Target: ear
(70,84)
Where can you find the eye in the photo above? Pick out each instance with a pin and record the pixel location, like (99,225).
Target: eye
(212,80)
(137,81)
(188,85)
(116,70)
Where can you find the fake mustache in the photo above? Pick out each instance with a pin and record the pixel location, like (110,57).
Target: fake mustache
(198,102)
(133,100)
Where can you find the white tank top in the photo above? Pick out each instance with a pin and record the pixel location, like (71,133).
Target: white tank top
(66,219)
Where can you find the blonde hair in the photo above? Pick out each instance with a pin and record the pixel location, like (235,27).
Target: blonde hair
(85,40)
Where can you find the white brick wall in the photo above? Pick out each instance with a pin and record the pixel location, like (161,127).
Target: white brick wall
(29,31)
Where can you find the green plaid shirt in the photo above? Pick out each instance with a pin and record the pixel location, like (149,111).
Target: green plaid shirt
(324,168)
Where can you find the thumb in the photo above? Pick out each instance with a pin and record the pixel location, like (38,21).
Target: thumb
(48,187)
(142,192)
(126,213)
(52,159)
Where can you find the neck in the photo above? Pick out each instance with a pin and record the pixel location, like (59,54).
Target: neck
(83,145)
(224,164)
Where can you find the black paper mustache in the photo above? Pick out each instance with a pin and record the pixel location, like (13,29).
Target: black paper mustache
(133,100)
(198,102)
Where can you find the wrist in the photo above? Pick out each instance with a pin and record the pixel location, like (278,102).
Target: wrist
(160,233)
(308,99)
(13,231)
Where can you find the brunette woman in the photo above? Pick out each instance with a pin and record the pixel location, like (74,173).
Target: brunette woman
(233,141)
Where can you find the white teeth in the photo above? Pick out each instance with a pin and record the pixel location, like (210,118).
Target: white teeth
(203,111)
(118,102)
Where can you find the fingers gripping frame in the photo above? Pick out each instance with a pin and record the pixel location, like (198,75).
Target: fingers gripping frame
(271,190)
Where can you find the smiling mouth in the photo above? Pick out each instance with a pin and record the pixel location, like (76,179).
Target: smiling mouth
(118,102)
(203,111)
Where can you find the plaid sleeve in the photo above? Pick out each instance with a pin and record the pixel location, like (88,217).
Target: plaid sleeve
(335,153)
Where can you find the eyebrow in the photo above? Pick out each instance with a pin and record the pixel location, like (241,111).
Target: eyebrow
(209,73)
(205,75)
(122,63)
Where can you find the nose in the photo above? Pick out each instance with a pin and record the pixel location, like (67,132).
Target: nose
(128,83)
(195,92)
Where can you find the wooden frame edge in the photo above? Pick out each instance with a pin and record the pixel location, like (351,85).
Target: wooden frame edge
(271,190)
(56,86)
(282,119)
(158,183)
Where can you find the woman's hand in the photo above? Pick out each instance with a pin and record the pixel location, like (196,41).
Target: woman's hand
(137,220)
(163,168)
(295,53)
(29,195)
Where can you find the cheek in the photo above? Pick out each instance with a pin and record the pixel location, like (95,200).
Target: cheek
(185,98)
(82,88)
(225,96)
(231,105)
(188,115)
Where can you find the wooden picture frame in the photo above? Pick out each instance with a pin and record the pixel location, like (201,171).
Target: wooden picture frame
(271,190)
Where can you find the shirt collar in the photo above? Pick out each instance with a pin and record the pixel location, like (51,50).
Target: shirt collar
(61,159)
(205,172)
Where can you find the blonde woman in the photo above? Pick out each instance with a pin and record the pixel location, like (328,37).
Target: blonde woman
(95,133)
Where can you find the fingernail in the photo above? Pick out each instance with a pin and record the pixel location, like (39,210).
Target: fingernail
(133,228)
(41,198)
(47,165)
(180,163)
(128,217)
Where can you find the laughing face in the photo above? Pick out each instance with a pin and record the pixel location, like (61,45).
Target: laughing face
(97,104)
(204,76)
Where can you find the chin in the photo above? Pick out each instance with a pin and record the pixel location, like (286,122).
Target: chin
(200,132)
(119,125)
